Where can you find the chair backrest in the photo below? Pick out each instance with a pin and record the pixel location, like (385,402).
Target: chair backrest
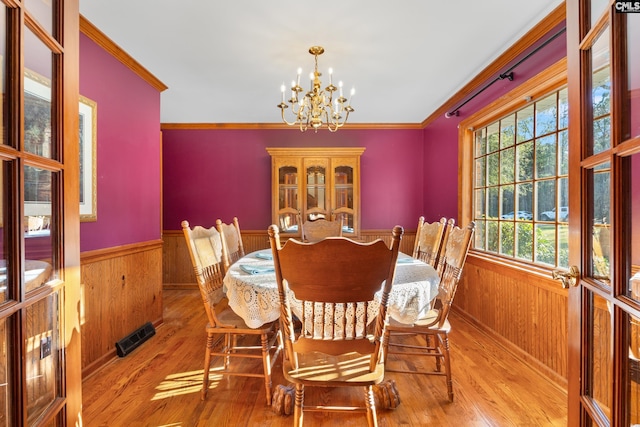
(331,285)
(430,238)
(205,250)
(450,267)
(313,231)
(232,247)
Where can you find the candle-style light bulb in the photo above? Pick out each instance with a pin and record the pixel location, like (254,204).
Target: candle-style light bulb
(330,76)
(299,72)
(340,86)
(282,88)
(353,92)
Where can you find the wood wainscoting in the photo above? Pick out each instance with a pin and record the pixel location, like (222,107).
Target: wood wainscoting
(122,290)
(523,308)
(177,272)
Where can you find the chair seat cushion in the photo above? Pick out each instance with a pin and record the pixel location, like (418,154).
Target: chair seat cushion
(319,369)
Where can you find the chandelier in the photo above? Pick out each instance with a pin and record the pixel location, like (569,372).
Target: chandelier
(317,107)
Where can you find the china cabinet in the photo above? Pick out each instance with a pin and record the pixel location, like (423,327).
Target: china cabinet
(312,183)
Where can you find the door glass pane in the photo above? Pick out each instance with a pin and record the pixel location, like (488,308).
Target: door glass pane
(634,370)
(42,10)
(6,397)
(601,93)
(43,355)
(633,208)
(601,223)
(598,7)
(37,226)
(3,72)
(5,253)
(599,354)
(633,63)
(38,133)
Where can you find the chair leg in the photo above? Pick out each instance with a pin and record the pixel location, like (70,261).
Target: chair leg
(372,420)
(207,365)
(447,364)
(297,409)
(227,349)
(266,366)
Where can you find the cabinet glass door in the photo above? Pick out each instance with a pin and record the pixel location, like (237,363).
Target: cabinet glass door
(288,191)
(343,200)
(316,198)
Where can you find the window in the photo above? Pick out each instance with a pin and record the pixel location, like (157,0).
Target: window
(517,155)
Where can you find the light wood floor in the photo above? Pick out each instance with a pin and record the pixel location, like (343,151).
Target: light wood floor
(159,384)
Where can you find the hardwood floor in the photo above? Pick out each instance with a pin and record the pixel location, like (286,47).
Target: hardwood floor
(159,384)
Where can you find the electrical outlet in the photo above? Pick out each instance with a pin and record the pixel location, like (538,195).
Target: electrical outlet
(45,347)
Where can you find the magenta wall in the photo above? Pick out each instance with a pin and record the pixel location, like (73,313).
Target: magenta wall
(210,174)
(128,168)
(441,135)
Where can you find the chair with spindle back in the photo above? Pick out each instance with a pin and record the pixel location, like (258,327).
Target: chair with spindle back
(434,325)
(232,247)
(318,229)
(430,238)
(225,329)
(332,286)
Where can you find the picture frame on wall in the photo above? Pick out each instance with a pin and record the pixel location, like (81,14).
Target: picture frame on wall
(37,102)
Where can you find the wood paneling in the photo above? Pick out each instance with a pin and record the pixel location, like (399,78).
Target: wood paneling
(523,308)
(122,290)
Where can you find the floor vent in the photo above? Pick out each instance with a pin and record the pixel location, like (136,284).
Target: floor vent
(134,339)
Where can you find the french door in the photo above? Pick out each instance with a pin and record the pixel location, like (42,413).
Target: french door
(603,56)
(40,376)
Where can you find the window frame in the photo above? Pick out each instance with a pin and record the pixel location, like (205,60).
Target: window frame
(538,87)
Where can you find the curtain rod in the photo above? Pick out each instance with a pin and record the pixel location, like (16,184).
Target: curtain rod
(508,74)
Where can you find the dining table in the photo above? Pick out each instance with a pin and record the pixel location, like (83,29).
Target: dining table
(252,290)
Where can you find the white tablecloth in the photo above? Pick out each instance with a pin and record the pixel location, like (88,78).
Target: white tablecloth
(254,297)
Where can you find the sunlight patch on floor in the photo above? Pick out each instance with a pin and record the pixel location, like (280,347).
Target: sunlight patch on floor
(183,383)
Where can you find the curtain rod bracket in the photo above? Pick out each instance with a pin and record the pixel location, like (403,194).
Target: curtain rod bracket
(507,76)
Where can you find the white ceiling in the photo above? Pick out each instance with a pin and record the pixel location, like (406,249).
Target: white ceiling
(224,62)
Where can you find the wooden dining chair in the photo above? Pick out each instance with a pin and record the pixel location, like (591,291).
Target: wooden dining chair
(228,336)
(232,247)
(316,230)
(434,326)
(332,282)
(430,239)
